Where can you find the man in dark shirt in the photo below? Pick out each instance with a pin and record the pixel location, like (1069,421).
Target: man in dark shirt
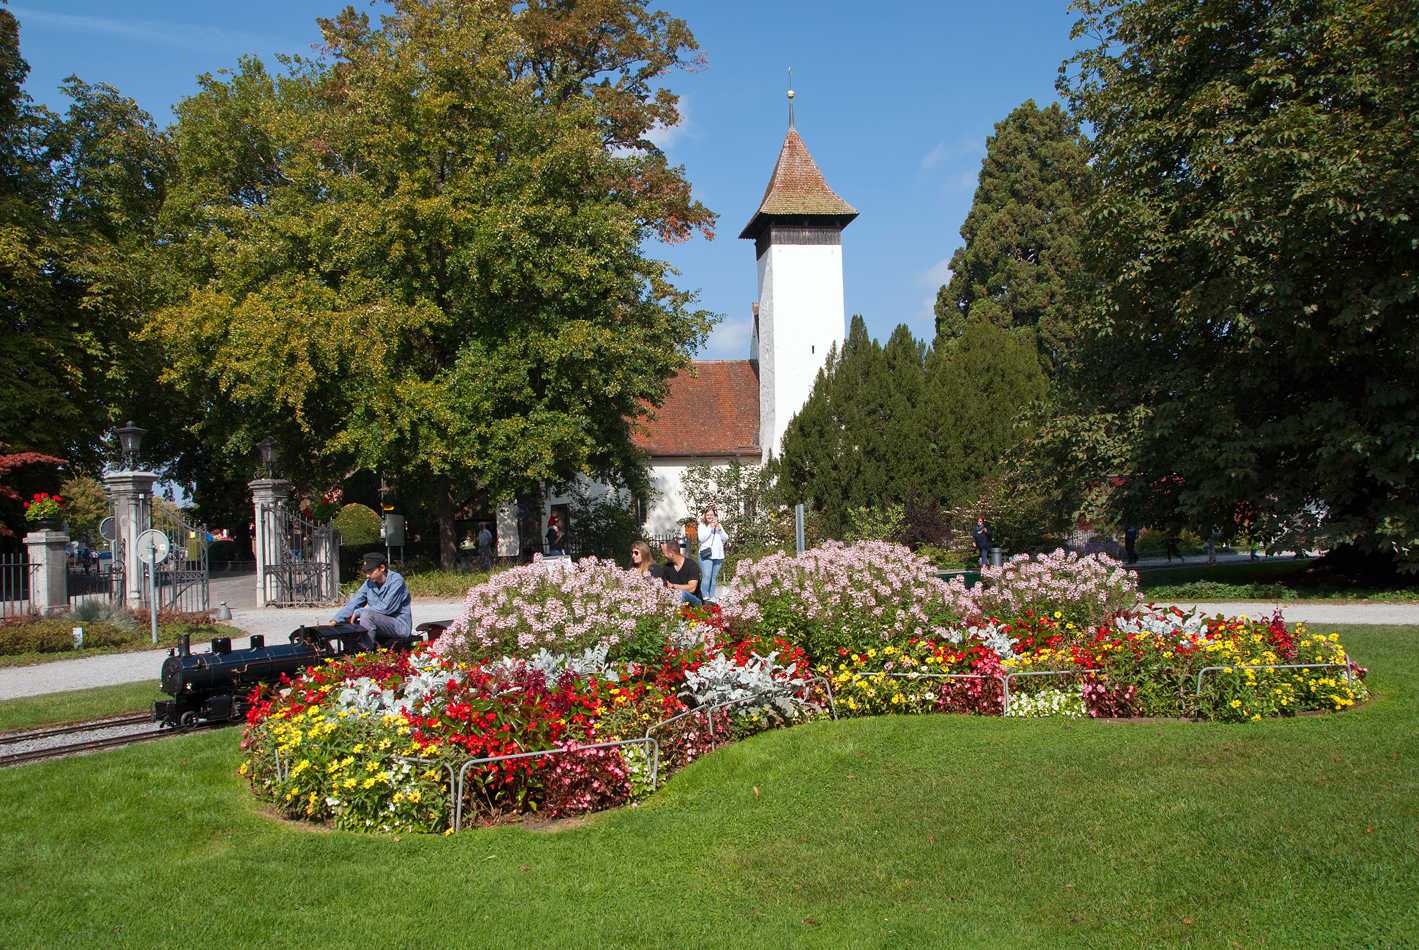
(681,574)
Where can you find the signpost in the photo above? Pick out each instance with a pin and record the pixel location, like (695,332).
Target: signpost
(153,549)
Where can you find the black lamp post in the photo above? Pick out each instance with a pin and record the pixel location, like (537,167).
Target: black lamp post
(130,437)
(268,447)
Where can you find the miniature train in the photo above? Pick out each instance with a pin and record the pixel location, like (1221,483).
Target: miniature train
(213,687)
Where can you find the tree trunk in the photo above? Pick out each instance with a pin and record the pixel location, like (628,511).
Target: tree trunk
(448,541)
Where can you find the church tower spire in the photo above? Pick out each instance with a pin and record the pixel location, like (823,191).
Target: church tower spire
(797,235)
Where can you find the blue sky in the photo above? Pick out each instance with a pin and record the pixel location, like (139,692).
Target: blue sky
(894,100)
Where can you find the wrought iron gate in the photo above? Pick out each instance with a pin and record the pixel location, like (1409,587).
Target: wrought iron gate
(300,559)
(182,579)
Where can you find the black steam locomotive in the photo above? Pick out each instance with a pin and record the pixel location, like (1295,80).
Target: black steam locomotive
(213,687)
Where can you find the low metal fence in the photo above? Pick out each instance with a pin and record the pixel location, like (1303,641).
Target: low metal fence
(16,573)
(1349,681)
(458,781)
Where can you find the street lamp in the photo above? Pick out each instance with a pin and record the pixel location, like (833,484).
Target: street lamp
(130,437)
(268,447)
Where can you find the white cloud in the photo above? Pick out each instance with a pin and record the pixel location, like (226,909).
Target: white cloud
(966,145)
(152,31)
(666,137)
(934,156)
(935,275)
(729,340)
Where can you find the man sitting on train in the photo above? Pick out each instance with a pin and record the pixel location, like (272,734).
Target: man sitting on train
(381,606)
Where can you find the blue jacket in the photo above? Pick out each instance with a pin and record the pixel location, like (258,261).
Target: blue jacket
(391,599)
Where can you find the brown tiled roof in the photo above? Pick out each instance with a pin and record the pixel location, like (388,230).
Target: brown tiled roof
(797,188)
(712,409)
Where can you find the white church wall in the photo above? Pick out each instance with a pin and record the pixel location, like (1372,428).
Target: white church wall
(801,317)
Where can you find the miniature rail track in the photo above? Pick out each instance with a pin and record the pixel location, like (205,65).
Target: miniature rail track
(133,733)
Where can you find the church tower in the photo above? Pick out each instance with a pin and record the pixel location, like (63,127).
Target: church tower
(797,234)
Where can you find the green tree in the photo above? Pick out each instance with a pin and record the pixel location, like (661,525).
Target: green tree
(425,255)
(85,506)
(1254,242)
(1022,234)
(833,449)
(978,390)
(79,194)
(904,454)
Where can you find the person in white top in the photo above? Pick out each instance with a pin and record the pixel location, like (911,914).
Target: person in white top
(712,542)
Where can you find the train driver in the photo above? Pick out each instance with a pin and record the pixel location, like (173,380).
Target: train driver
(381,605)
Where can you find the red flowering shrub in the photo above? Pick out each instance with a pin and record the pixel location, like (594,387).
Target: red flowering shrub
(584,781)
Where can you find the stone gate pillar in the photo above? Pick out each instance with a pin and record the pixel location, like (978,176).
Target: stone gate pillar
(326,550)
(49,584)
(132,494)
(269,497)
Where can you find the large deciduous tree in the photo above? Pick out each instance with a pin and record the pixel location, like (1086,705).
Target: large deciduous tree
(1256,334)
(423,254)
(1021,249)
(79,194)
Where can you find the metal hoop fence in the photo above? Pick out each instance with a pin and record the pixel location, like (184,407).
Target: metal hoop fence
(458,783)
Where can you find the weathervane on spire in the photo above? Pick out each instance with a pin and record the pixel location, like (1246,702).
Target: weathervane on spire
(790,97)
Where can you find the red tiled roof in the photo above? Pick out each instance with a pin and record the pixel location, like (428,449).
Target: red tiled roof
(712,409)
(797,188)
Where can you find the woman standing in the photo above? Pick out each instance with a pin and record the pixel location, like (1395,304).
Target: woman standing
(556,537)
(712,542)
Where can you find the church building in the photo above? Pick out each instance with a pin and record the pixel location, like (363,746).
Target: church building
(718,410)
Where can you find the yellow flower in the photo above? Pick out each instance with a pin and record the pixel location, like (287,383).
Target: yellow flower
(1235,703)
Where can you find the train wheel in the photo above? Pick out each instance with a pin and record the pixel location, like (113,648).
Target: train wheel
(187,720)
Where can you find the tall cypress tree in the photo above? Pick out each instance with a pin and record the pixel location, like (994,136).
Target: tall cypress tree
(1022,233)
(976,389)
(833,448)
(904,456)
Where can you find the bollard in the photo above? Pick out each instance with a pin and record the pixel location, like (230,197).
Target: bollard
(997,557)
(223,612)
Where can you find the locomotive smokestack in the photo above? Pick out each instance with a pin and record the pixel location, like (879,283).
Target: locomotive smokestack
(184,645)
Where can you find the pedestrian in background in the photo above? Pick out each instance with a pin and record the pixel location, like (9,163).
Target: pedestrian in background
(980,534)
(1130,539)
(556,537)
(712,542)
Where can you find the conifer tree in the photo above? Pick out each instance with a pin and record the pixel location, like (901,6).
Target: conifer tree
(1022,233)
(833,450)
(976,391)
(904,455)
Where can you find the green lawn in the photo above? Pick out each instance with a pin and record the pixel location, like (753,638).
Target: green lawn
(939,831)
(34,711)
(1264,580)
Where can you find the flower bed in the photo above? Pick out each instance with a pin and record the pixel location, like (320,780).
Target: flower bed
(365,742)
(1145,662)
(547,660)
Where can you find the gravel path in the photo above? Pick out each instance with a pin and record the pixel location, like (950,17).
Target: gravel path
(276,625)
(1381,614)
